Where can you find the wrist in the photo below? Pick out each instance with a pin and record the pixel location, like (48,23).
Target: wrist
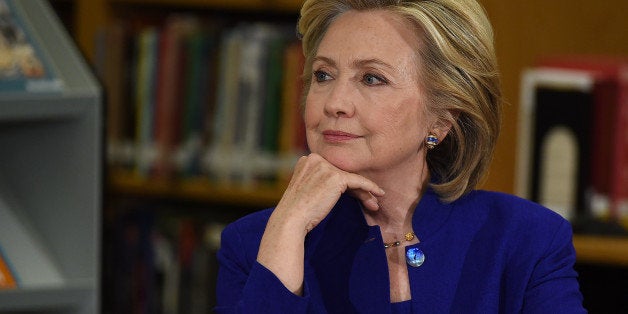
(282,250)
(291,221)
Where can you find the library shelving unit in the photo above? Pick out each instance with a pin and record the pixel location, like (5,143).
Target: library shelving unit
(127,194)
(50,189)
(91,16)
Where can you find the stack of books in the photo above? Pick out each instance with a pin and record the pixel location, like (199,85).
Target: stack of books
(573,145)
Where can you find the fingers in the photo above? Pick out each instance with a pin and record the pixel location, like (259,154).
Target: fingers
(365,190)
(317,184)
(348,181)
(367,199)
(359,186)
(358,182)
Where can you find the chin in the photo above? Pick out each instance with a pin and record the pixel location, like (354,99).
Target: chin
(345,165)
(343,161)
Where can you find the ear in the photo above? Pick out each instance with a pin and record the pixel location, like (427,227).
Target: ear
(443,125)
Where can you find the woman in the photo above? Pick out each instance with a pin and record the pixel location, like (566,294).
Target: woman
(402,112)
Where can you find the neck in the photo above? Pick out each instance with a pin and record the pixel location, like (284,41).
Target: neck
(395,212)
(397,206)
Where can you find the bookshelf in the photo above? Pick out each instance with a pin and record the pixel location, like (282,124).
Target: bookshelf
(50,189)
(136,202)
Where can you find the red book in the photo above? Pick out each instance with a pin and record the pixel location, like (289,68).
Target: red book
(609,168)
(169,94)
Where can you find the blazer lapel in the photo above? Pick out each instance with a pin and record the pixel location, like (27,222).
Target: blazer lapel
(369,284)
(349,262)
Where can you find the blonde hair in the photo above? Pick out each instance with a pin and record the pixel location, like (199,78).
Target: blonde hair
(458,71)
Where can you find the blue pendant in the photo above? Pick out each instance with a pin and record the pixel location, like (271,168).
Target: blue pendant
(415,257)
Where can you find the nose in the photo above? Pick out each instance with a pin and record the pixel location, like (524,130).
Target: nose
(340,101)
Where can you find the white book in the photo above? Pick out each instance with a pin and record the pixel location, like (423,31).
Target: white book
(559,148)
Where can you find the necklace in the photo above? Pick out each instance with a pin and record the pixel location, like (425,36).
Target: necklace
(414,255)
(408,237)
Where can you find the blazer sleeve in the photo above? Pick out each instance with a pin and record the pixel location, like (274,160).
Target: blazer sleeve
(553,286)
(246,286)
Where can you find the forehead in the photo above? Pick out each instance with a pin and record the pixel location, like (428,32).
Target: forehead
(370,34)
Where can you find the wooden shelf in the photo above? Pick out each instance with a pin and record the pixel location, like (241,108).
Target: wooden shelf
(601,250)
(589,249)
(194,189)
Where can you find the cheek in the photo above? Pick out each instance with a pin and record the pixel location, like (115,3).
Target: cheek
(311,118)
(310,112)
(400,131)
(405,120)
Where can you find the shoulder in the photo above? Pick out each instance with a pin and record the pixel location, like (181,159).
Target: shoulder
(507,206)
(528,242)
(513,230)
(513,215)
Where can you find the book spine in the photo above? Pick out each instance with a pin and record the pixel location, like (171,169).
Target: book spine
(195,103)
(292,129)
(168,111)
(619,185)
(217,160)
(147,42)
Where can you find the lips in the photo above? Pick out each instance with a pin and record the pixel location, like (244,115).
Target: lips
(338,136)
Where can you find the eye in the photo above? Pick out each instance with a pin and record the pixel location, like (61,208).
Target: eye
(371,79)
(321,76)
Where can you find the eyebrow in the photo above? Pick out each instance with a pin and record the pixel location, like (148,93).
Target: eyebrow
(356,63)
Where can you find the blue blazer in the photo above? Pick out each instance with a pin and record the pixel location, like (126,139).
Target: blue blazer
(486,252)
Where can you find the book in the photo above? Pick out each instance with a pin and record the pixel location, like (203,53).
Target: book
(24,67)
(608,188)
(114,66)
(198,99)
(254,88)
(169,91)
(217,159)
(7,278)
(270,123)
(555,132)
(146,42)
(292,129)
(247,108)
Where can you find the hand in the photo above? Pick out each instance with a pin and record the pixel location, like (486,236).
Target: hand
(314,189)
(316,186)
